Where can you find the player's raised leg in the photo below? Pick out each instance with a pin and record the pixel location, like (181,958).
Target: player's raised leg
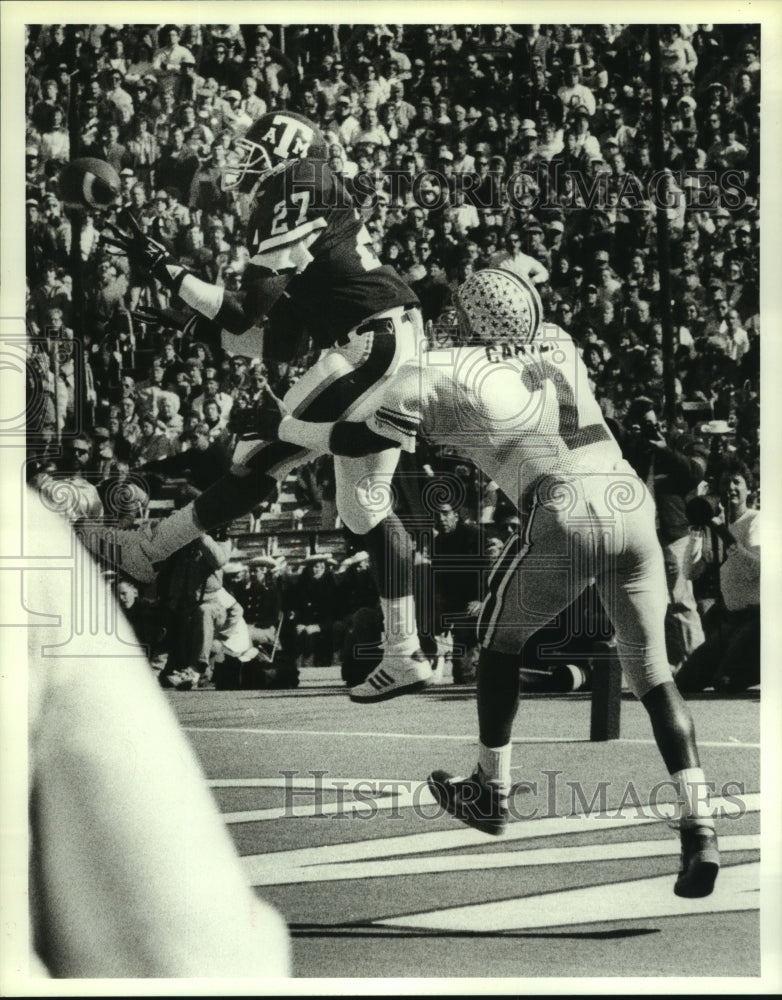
(259,464)
(139,551)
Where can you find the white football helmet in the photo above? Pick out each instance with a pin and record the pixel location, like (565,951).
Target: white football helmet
(495,305)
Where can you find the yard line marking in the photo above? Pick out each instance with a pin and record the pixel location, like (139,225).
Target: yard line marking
(314,779)
(417,794)
(358,796)
(390,868)
(730,742)
(738,888)
(443,840)
(375,735)
(440,736)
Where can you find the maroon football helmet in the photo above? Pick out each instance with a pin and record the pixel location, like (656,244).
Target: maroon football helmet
(272,141)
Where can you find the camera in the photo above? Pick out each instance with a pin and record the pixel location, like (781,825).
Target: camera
(701,510)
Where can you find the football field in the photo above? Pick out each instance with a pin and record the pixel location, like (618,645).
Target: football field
(327,803)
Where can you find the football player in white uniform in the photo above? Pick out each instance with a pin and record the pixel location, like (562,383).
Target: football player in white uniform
(515,398)
(313,273)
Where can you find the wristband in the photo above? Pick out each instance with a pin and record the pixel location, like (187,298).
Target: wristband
(205,298)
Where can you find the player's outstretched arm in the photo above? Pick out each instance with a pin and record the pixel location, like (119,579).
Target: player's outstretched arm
(353,439)
(234,311)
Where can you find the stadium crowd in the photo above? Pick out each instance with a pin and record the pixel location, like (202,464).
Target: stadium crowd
(465,146)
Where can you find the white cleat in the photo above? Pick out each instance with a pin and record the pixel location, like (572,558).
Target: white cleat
(394,676)
(129,550)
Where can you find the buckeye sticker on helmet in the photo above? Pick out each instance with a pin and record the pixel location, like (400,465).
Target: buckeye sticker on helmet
(498,305)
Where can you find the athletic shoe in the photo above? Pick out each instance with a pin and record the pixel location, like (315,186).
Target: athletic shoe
(183,680)
(700,862)
(130,550)
(394,675)
(472,800)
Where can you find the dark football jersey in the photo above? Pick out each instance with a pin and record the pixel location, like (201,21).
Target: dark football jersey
(305,222)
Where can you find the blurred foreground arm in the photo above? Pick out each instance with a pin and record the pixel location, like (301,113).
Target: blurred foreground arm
(133,872)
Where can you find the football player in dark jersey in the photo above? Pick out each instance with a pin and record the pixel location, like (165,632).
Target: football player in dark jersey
(313,273)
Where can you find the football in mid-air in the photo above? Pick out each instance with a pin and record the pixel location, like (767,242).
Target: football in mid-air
(89,183)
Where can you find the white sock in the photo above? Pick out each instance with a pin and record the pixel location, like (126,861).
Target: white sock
(694,806)
(495,764)
(401,631)
(176,531)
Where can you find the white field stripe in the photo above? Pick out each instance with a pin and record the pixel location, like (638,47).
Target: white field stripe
(406,795)
(298,733)
(731,742)
(481,862)
(310,781)
(417,794)
(737,888)
(444,840)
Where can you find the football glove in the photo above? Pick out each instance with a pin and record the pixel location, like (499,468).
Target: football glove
(147,254)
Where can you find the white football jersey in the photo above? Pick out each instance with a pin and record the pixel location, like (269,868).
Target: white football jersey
(520,412)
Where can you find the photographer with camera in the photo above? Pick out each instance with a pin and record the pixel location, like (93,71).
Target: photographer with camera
(672,465)
(729,659)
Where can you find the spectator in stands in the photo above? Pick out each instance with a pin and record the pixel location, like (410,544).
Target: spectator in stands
(676,53)
(727,335)
(585,145)
(152,443)
(729,659)
(213,392)
(171,55)
(147,621)
(107,297)
(458,568)
(214,420)
(55,144)
(261,598)
(357,588)
(574,94)
(50,101)
(672,465)
(433,290)
(189,588)
(203,461)
(314,602)
(67,487)
(105,455)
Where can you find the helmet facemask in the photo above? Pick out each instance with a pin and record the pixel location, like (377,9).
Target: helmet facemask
(246,163)
(445,330)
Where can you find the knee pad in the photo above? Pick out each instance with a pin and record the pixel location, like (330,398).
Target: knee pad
(362,506)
